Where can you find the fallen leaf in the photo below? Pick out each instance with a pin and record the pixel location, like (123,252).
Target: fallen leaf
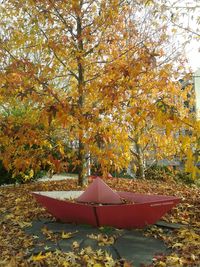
(40,256)
(68,234)
(75,245)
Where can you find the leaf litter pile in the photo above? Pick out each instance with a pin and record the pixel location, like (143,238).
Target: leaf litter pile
(18,209)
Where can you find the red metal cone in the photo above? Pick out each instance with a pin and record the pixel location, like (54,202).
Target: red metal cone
(99,192)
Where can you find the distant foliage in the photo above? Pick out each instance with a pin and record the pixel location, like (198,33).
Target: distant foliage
(162,173)
(165,173)
(186,178)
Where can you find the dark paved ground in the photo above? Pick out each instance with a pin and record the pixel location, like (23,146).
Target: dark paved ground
(129,244)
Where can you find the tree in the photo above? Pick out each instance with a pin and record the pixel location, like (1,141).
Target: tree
(58,57)
(86,66)
(154,108)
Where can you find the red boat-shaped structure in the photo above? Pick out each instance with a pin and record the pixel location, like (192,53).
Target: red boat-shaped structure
(99,205)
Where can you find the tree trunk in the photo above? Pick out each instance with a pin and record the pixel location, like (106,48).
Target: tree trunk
(82,179)
(82,165)
(140,168)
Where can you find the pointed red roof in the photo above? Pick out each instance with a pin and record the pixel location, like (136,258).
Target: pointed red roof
(99,192)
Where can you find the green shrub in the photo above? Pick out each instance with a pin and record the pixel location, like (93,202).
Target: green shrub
(162,173)
(5,176)
(121,174)
(185,177)
(28,176)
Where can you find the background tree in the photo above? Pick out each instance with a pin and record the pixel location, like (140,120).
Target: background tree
(154,108)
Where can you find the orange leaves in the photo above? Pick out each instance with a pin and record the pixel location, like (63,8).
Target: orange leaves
(187,244)
(109,145)
(83,67)
(14,78)
(18,209)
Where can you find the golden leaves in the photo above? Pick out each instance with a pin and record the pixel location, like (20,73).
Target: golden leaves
(114,73)
(103,239)
(23,224)
(69,235)
(40,256)
(177,245)
(18,209)
(48,233)
(86,257)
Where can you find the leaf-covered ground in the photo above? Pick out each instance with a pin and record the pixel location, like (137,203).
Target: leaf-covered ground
(18,209)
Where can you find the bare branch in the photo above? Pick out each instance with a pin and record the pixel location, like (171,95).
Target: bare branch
(73,74)
(185,28)
(134,154)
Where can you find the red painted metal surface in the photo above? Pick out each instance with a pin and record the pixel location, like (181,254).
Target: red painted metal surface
(67,211)
(99,192)
(146,209)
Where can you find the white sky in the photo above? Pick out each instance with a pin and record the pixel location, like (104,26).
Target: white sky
(193,54)
(188,20)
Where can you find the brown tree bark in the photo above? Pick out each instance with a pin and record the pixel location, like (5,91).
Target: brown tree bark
(82,179)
